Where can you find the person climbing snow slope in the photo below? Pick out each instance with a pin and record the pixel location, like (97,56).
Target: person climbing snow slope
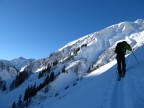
(121,51)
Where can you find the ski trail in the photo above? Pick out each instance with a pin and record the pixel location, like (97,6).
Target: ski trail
(127,100)
(126,93)
(116,95)
(120,95)
(111,90)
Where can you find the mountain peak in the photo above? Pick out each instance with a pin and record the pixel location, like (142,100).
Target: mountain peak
(20,62)
(140,21)
(19,58)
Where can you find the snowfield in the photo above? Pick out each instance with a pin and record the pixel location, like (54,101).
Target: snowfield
(100,89)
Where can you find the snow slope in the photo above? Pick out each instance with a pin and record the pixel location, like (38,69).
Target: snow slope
(100,89)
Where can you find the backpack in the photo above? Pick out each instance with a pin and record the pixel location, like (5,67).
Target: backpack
(119,48)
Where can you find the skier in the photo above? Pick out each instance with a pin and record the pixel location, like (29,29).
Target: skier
(121,51)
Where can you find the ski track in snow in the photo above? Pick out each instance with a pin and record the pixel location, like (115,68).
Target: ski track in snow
(119,94)
(126,93)
(117,97)
(114,94)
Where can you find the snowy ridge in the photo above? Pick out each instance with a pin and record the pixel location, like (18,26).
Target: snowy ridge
(20,62)
(88,60)
(9,69)
(6,70)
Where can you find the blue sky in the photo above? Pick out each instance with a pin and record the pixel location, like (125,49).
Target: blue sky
(36,28)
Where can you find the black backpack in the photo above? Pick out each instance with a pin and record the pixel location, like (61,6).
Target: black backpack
(119,48)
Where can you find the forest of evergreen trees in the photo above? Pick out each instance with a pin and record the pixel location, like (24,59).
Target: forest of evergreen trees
(33,89)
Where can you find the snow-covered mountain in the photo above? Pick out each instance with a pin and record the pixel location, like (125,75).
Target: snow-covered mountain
(6,70)
(20,62)
(95,49)
(11,68)
(71,64)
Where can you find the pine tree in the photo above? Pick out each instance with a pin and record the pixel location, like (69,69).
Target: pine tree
(39,87)
(20,103)
(14,105)
(46,89)
(47,80)
(52,76)
(33,90)
(63,69)
(48,69)
(89,70)
(55,63)
(26,95)
(40,75)
(12,85)
(4,87)
(26,103)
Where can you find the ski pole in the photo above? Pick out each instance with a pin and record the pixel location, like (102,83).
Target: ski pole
(135,57)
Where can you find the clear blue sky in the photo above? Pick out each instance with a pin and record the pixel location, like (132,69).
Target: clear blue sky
(36,28)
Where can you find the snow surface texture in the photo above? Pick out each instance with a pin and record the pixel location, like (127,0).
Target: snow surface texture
(100,89)
(76,88)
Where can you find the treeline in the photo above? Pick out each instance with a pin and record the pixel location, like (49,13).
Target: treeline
(3,85)
(32,91)
(20,78)
(19,104)
(44,71)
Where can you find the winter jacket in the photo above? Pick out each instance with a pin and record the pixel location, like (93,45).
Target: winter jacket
(126,47)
